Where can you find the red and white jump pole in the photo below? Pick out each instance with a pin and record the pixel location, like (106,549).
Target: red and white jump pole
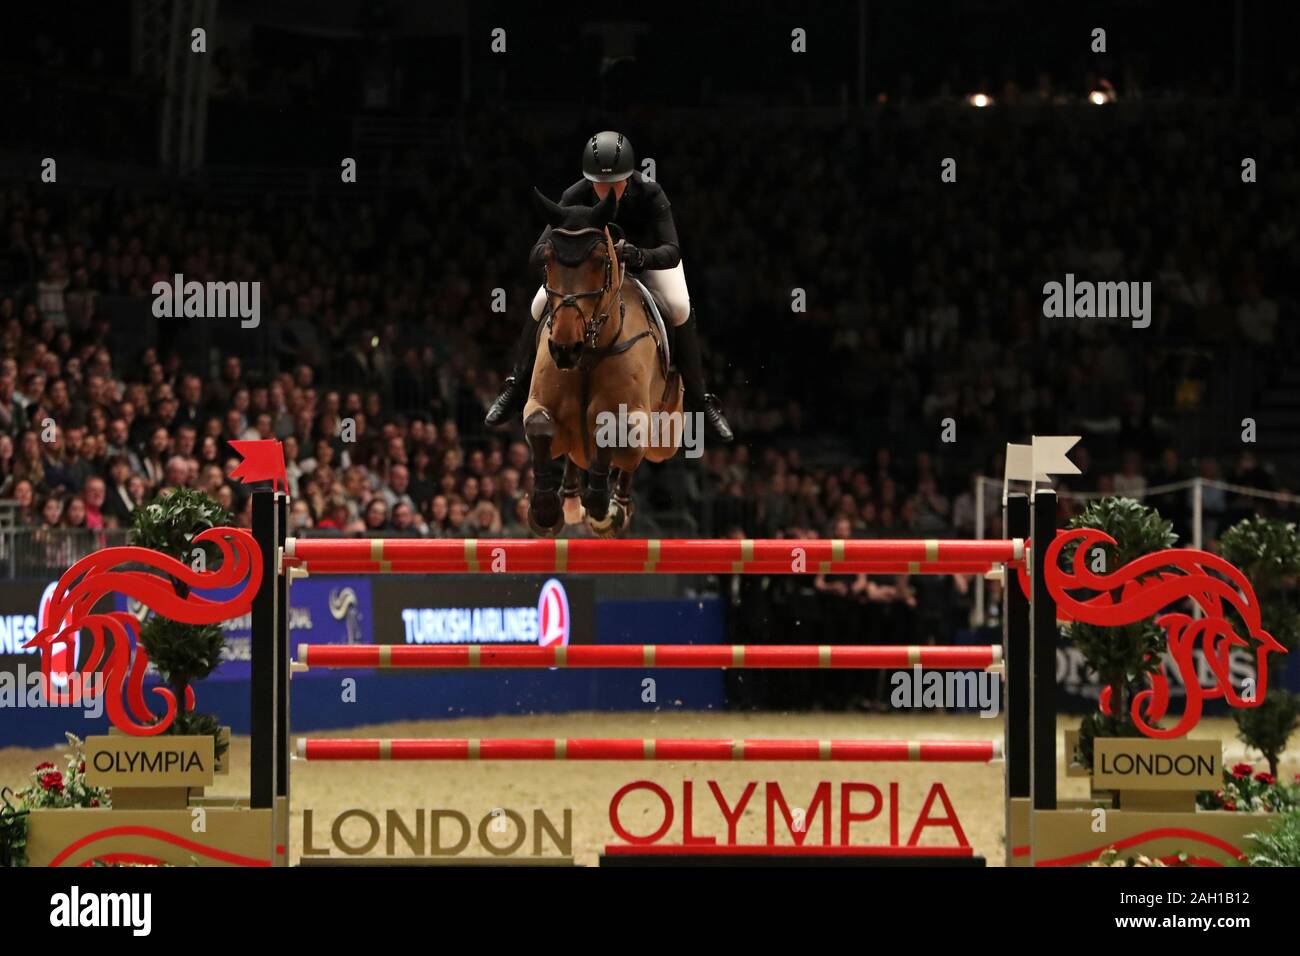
(648,556)
(470,656)
(581,748)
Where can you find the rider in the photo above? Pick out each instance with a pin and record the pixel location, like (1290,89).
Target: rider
(649,247)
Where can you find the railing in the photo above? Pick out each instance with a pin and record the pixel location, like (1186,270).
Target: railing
(27,552)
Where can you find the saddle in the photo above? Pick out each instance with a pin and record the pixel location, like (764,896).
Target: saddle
(655,307)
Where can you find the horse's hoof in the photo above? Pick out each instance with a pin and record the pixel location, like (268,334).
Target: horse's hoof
(620,512)
(542,531)
(602,529)
(573,510)
(540,520)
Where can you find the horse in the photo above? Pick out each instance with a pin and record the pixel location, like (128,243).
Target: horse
(603,364)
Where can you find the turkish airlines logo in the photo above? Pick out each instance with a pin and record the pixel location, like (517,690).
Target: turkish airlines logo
(63,655)
(553,615)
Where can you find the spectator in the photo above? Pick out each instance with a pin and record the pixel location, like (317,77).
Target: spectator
(118,501)
(24,503)
(376,516)
(518,524)
(93,496)
(1130,481)
(13,414)
(177,473)
(153,464)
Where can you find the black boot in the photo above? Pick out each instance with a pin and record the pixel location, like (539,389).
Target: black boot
(686,356)
(514,395)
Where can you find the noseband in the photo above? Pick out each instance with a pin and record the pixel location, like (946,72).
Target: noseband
(594,323)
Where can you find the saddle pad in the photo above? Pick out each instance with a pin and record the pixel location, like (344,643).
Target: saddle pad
(648,298)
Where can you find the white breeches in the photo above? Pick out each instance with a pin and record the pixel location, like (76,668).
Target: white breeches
(669,283)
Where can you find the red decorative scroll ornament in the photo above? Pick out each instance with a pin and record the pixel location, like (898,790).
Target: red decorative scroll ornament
(1152,584)
(71,611)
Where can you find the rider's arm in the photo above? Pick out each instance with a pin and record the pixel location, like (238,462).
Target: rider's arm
(665,253)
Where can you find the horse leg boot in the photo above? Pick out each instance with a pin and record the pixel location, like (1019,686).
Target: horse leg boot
(545,515)
(687,358)
(570,491)
(621,500)
(514,393)
(596,498)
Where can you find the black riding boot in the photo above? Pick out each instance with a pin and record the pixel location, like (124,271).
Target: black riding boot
(514,395)
(686,356)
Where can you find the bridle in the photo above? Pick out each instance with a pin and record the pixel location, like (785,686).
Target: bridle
(593,323)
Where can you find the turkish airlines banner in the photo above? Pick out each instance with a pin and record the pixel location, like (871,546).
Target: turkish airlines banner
(525,609)
(22,614)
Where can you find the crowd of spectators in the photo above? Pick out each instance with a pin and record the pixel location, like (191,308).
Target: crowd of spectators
(381,348)
(875,330)
(919,312)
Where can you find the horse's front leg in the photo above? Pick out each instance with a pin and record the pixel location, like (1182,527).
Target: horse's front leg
(620,502)
(570,492)
(596,497)
(545,514)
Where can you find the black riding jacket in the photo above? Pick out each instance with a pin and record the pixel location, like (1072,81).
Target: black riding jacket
(643,214)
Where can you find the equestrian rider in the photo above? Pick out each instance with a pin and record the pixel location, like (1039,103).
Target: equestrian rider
(649,248)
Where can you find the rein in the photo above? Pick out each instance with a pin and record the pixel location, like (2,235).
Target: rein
(593,324)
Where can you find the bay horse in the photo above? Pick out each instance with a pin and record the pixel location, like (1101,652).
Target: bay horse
(602,359)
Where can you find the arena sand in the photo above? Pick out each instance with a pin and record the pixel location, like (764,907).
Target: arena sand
(585,788)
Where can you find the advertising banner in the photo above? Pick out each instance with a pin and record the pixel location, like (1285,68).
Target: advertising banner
(485,610)
(325,610)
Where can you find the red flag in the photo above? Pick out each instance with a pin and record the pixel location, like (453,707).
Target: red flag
(263,461)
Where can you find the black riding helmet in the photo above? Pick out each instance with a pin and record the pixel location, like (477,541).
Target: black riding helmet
(608,158)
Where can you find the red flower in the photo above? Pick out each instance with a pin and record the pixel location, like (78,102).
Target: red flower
(94,801)
(1230,805)
(1266,778)
(1242,771)
(45,766)
(52,781)
(81,767)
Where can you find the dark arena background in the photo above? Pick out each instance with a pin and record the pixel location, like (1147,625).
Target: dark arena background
(897,247)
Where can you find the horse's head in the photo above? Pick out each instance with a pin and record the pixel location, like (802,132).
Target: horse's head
(582,276)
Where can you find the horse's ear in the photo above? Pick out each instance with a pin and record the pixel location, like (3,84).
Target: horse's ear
(603,211)
(552,212)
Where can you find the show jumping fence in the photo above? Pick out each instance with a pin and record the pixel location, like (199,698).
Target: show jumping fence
(1038,831)
(1029,746)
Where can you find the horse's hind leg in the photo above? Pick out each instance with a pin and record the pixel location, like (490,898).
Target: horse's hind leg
(545,515)
(570,491)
